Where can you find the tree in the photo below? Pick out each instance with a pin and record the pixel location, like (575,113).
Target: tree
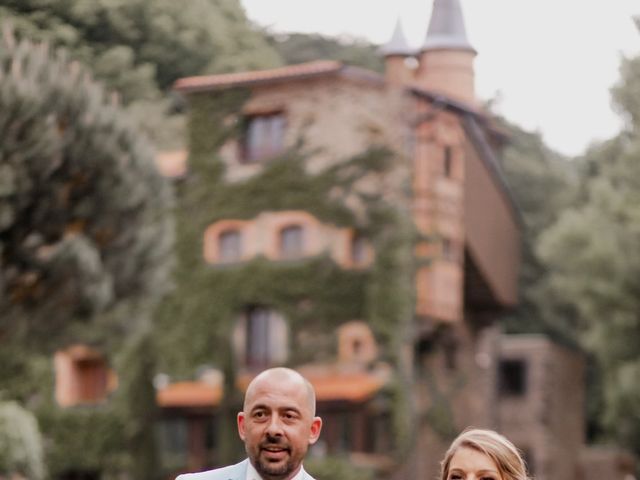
(85,238)
(141,47)
(138,48)
(592,252)
(543,184)
(300,47)
(83,212)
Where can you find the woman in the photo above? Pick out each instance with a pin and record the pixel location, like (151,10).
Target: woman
(482,455)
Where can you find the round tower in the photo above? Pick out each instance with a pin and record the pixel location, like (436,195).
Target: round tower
(446,57)
(396,52)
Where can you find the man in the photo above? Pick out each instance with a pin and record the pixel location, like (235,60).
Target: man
(277,424)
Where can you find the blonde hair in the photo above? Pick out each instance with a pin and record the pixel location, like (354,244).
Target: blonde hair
(495,446)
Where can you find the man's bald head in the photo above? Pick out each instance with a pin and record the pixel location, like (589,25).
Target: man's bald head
(278,375)
(278,422)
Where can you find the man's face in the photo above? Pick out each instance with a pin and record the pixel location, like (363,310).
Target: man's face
(277,425)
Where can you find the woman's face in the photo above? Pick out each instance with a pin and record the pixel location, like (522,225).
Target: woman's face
(470,464)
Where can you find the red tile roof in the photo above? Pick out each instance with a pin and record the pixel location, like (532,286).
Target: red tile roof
(80,352)
(303,70)
(354,387)
(336,386)
(189,394)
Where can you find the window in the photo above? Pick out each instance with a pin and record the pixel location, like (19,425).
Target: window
(448,162)
(448,252)
(92,376)
(82,377)
(230,246)
(291,242)
(358,250)
(356,347)
(265,336)
(512,379)
(356,343)
(264,137)
(260,338)
(174,437)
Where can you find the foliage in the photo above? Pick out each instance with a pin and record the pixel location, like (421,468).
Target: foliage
(83,224)
(593,256)
(330,468)
(626,94)
(21,449)
(301,47)
(139,48)
(543,184)
(138,395)
(85,439)
(85,242)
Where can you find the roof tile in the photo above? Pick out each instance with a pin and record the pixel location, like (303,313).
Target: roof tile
(189,394)
(208,82)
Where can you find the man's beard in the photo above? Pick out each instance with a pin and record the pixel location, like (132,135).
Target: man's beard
(274,470)
(268,470)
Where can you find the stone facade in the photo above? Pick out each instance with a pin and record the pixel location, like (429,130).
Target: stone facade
(541,403)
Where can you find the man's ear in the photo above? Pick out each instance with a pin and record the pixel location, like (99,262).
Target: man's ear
(316,426)
(240,419)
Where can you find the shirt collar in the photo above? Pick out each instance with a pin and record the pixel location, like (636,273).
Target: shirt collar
(252,473)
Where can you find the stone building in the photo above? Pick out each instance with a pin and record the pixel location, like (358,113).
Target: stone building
(357,227)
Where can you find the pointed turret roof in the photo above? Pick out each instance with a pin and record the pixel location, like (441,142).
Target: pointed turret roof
(398,44)
(446,28)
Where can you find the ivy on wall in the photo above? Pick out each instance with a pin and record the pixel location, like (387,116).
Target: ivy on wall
(314,294)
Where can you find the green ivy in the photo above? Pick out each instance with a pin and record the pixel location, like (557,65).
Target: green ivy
(315,294)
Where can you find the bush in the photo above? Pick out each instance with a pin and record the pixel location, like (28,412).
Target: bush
(20,442)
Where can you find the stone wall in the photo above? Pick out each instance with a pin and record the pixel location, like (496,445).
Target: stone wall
(541,403)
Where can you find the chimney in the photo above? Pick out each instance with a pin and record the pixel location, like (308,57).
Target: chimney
(396,52)
(446,57)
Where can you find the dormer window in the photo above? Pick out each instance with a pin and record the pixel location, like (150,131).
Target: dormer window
(291,242)
(230,246)
(264,137)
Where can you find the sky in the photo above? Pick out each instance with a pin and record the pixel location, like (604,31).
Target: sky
(548,63)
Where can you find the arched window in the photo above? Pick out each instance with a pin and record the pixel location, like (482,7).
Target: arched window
(229,246)
(291,242)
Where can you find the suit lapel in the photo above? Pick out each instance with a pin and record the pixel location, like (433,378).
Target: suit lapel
(239,473)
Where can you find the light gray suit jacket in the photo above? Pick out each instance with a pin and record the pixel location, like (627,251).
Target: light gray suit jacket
(232,472)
